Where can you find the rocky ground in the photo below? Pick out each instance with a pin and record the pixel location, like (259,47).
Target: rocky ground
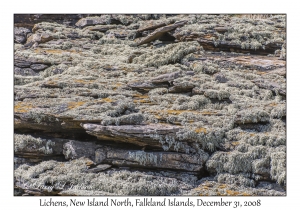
(150,105)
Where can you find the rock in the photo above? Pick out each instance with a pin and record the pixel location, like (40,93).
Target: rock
(76,149)
(29,146)
(25,72)
(101,28)
(270,85)
(21,34)
(258,62)
(151,26)
(197,91)
(20,39)
(146,86)
(22,63)
(39,38)
(166,77)
(221,29)
(96,20)
(141,135)
(98,168)
(160,31)
(181,88)
(28,20)
(38,67)
(163,160)
(120,99)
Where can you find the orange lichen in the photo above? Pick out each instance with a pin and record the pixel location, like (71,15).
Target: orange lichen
(273,104)
(21,107)
(201,130)
(84,81)
(108,100)
(141,101)
(73,104)
(235,143)
(222,186)
(177,112)
(234,193)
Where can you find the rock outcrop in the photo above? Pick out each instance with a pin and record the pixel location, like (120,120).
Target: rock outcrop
(149,105)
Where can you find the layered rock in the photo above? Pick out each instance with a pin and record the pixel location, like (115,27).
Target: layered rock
(176,100)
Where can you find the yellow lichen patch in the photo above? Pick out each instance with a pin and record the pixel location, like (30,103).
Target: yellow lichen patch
(21,107)
(83,81)
(261,72)
(73,104)
(177,112)
(245,194)
(231,192)
(235,143)
(141,96)
(201,130)
(158,117)
(222,186)
(252,134)
(141,101)
(108,100)
(118,84)
(208,113)
(273,104)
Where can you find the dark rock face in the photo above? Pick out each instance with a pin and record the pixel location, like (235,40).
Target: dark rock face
(150,104)
(21,34)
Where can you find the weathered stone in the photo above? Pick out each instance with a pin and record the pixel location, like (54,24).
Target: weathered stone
(21,34)
(180,88)
(221,29)
(166,77)
(98,20)
(270,85)
(257,62)
(137,158)
(99,168)
(76,149)
(146,86)
(39,38)
(38,67)
(22,63)
(197,91)
(151,26)
(153,107)
(28,20)
(25,72)
(101,28)
(39,147)
(141,135)
(160,31)
(20,39)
